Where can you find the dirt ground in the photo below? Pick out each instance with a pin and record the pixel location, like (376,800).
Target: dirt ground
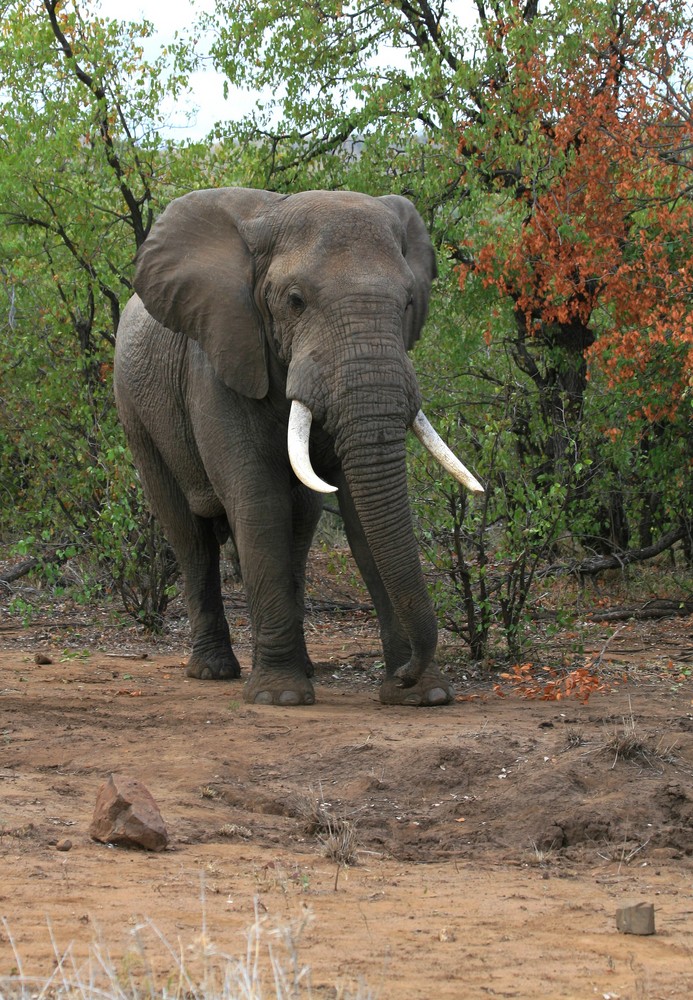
(494,839)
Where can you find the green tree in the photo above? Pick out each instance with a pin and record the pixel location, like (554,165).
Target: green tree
(82,173)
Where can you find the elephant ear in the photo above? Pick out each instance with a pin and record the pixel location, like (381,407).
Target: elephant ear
(195,275)
(420,257)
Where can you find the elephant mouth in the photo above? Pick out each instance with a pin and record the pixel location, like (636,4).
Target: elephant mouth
(300,420)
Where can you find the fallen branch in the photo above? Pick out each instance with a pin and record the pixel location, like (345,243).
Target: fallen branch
(19,570)
(660,608)
(54,555)
(590,567)
(617,560)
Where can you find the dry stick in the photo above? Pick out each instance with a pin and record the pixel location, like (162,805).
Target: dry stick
(596,663)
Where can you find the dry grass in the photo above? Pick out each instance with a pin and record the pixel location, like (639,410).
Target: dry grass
(575,738)
(270,969)
(336,834)
(209,792)
(626,743)
(234,830)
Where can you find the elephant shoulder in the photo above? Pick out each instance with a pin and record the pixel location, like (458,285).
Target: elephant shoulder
(135,316)
(141,341)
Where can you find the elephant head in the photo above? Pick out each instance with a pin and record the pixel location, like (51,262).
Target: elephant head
(311,301)
(214,263)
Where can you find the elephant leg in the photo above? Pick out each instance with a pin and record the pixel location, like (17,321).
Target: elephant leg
(306,507)
(212,655)
(272,542)
(195,543)
(431,688)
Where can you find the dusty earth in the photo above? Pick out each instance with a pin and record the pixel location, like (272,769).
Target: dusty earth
(492,840)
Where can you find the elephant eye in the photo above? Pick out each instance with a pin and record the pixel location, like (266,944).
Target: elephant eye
(410,303)
(296,301)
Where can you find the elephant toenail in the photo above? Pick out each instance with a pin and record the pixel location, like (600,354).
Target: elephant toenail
(289,698)
(436,696)
(263,698)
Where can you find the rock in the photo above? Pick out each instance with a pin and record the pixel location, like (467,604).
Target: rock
(637,919)
(127,815)
(64,845)
(42,659)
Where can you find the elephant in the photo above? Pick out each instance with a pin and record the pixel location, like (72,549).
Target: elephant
(262,363)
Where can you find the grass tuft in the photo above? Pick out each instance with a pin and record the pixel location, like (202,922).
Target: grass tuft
(625,743)
(336,834)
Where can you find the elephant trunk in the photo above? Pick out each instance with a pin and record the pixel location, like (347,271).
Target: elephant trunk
(377,482)
(366,412)
(365,401)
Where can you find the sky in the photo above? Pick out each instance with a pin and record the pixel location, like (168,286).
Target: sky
(207,86)
(207,93)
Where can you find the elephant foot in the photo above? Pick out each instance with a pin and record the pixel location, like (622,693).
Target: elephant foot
(213,668)
(431,689)
(273,687)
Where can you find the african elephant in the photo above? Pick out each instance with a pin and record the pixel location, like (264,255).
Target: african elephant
(255,312)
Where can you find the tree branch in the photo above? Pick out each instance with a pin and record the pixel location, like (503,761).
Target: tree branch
(426,30)
(590,567)
(140,225)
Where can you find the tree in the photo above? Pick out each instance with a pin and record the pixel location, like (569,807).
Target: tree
(590,241)
(82,174)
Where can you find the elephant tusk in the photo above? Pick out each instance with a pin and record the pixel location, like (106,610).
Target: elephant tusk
(433,442)
(300,420)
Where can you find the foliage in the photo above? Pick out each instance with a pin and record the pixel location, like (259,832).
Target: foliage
(141,565)
(351,94)
(590,240)
(548,152)
(595,161)
(488,552)
(82,173)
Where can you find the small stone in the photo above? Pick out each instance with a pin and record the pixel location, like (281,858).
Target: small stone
(64,845)
(43,659)
(637,919)
(126,814)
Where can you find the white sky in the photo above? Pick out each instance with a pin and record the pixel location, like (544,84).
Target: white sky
(207,97)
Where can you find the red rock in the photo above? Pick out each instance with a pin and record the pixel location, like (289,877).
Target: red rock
(127,815)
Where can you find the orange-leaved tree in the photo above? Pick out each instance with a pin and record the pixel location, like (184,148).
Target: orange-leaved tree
(585,139)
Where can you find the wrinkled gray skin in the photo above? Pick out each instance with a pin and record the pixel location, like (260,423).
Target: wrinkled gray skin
(246,300)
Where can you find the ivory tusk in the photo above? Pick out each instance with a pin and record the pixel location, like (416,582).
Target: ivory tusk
(433,442)
(300,420)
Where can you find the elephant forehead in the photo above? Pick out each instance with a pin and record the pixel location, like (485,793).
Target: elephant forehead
(314,266)
(334,201)
(368,262)
(330,220)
